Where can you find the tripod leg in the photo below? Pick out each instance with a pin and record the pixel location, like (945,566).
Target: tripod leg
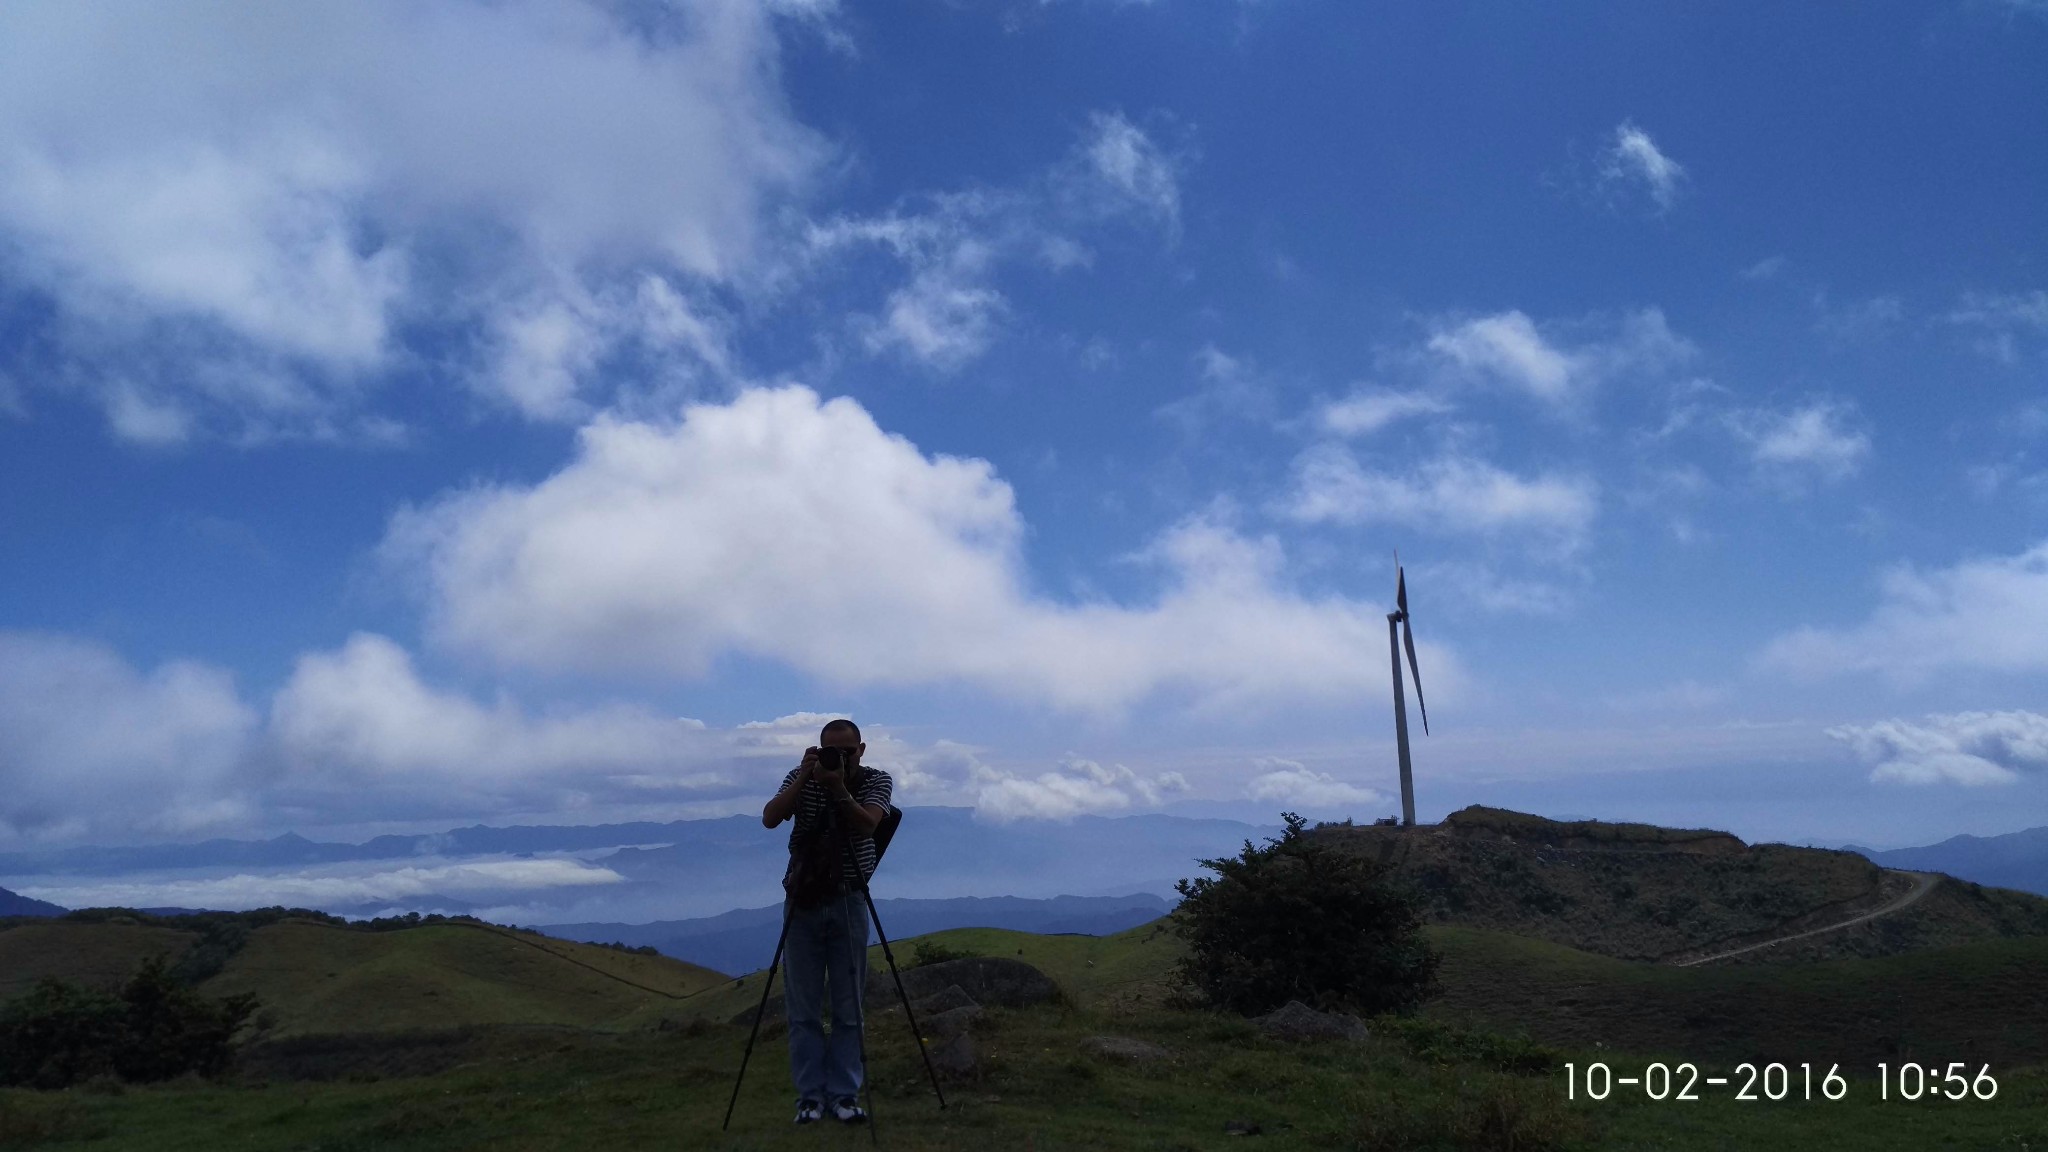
(759,1011)
(908,1012)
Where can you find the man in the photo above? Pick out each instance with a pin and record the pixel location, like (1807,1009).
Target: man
(828,921)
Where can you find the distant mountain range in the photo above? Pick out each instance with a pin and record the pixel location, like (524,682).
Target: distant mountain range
(2016,860)
(743,940)
(15,904)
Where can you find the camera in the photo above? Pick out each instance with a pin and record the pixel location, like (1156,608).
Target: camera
(835,759)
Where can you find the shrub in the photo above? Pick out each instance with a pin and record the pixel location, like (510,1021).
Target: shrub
(932,952)
(1300,920)
(154,1028)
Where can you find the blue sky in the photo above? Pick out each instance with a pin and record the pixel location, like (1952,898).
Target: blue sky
(551,413)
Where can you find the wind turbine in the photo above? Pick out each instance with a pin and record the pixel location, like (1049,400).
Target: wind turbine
(1399,616)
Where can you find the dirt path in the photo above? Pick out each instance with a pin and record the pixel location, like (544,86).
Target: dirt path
(1923,883)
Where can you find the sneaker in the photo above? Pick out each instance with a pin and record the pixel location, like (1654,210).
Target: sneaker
(808,1110)
(849,1111)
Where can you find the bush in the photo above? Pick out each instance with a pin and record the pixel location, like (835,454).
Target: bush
(932,952)
(1300,920)
(154,1028)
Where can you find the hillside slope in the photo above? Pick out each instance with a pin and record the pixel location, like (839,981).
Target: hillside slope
(320,978)
(1638,892)
(91,953)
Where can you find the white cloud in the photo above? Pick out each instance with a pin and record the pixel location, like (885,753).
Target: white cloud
(1452,494)
(943,317)
(1960,748)
(1814,441)
(1508,348)
(1231,391)
(1077,787)
(331,887)
(88,744)
(1987,614)
(280,187)
(2001,320)
(1369,410)
(950,311)
(1127,165)
(363,712)
(1290,782)
(788,528)
(1765,269)
(1632,159)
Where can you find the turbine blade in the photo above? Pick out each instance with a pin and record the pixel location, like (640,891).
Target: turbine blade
(1401,591)
(1408,642)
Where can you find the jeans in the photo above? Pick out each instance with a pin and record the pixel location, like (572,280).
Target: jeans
(826,943)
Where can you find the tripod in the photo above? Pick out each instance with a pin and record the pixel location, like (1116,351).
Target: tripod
(831,826)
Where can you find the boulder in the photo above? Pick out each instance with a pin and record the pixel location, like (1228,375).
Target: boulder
(953,996)
(957,1059)
(1125,1049)
(943,1026)
(1297,1021)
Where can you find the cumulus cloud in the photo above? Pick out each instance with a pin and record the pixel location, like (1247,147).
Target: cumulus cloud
(786,527)
(89,744)
(279,189)
(1988,614)
(1451,494)
(1632,160)
(1961,748)
(1290,782)
(1509,349)
(1077,787)
(1369,410)
(363,712)
(92,747)
(1816,441)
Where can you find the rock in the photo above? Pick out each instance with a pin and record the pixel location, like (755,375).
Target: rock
(1124,1048)
(1241,1127)
(1297,1021)
(944,1001)
(943,1026)
(957,1058)
(987,980)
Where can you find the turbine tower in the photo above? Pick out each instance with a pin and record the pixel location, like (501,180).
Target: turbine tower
(1399,618)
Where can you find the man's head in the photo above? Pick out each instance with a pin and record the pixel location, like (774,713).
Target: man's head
(842,734)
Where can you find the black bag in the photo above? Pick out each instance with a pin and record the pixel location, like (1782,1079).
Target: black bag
(817,867)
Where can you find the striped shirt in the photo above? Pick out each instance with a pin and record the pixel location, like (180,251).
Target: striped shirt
(872,787)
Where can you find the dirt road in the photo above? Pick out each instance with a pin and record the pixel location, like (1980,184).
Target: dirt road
(1923,883)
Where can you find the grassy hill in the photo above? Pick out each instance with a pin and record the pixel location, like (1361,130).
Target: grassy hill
(318,977)
(314,975)
(101,953)
(1637,892)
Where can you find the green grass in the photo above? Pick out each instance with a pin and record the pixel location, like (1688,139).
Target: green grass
(319,978)
(652,1089)
(526,1082)
(90,953)
(1982,1001)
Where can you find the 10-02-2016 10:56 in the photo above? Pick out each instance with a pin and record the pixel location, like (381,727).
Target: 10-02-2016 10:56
(1774,1081)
